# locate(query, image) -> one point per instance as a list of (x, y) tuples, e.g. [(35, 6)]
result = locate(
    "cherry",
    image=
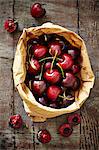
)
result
[(39, 51), (65, 130), (76, 84), (33, 67), (10, 25), (44, 136), (37, 11), (53, 105), (16, 121), (52, 76), (42, 100), (53, 92), (47, 65), (66, 62), (55, 47), (74, 119), (75, 53), (68, 100), (38, 87), (75, 68), (69, 80)]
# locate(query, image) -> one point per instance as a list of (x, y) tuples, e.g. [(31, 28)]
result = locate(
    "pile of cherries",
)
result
[(53, 65)]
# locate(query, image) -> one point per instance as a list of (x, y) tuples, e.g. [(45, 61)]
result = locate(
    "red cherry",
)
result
[(15, 121), (42, 101), (76, 68), (44, 136), (47, 65), (52, 76), (10, 25), (74, 119), (38, 87), (33, 67), (66, 62), (75, 53), (39, 51), (69, 80), (53, 92), (37, 11), (54, 47), (76, 84), (65, 130)]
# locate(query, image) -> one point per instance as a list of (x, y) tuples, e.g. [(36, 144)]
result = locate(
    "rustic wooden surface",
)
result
[(80, 16)]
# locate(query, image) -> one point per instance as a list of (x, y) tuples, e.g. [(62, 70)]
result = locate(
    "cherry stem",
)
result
[(61, 70), (28, 52), (46, 58), (53, 61), (40, 77), (61, 96)]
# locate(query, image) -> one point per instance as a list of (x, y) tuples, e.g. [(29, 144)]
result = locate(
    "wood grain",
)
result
[(79, 16), (88, 30), (6, 82)]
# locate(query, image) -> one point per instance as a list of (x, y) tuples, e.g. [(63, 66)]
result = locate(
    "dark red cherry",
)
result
[(75, 53), (65, 130), (69, 80), (53, 105), (38, 87), (68, 100), (47, 65), (54, 47), (43, 101), (10, 25), (76, 84), (33, 67), (66, 62), (37, 11), (75, 68), (53, 92), (74, 119), (52, 76), (16, 121), (44, 136), (39, 51)]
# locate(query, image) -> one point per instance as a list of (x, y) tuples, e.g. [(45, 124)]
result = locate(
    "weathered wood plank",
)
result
[(6, 82), (57, 12), (89, 30)]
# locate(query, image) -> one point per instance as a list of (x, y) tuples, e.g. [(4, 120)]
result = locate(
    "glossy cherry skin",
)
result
[(39, 87), (47, 65), (54, 47), (75, 53), (34, 67), (37, 11), (65, 130), (66, 62), (39, 51), (69, 80), (53, 92), (16, 121), (44, 136), (75, 68), (52, 76), (10, 25), (43, 101)]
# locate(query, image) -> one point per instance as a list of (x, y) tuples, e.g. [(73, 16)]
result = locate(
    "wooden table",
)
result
[(81, 16)]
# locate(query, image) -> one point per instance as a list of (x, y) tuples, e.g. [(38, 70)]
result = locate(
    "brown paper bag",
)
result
[(35, 110)]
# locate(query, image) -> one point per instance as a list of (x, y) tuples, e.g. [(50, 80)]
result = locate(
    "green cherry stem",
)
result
[(53, 61), (46, 58), (61, 70), (40, 77), (61, 96)]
